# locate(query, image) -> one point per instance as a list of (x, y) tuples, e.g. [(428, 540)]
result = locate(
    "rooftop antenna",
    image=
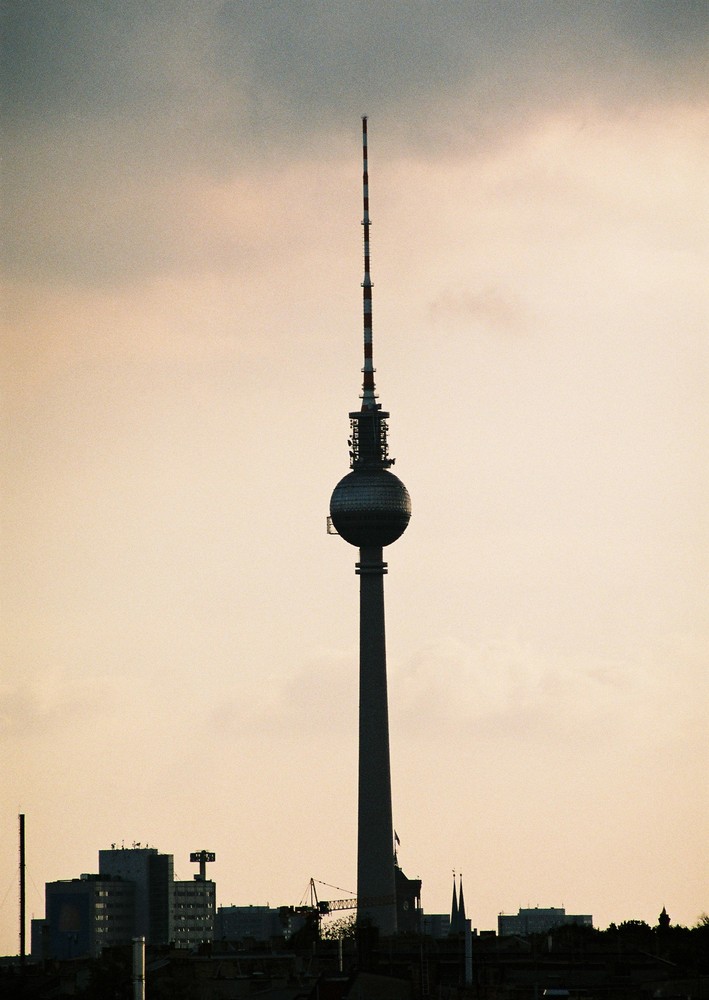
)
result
[(202, 857)]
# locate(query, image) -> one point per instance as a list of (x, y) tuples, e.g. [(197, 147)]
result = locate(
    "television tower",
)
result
[(371, 508)]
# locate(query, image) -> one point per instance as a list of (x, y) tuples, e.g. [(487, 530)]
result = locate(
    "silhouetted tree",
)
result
[(636, 934), (342, 928)]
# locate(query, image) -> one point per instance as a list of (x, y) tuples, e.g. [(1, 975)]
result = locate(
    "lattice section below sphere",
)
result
[(370, 508)]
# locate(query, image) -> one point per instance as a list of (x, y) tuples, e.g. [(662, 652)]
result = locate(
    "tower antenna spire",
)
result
[(370, 508), (368, 393)]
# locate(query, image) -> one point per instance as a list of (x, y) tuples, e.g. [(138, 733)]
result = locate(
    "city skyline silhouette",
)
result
[(181, 324)]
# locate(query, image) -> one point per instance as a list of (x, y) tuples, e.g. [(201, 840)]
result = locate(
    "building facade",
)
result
[(194, 909), (153, 876), (408, 903), (83, 916), (539, 920), (241, 923), (436, 925)]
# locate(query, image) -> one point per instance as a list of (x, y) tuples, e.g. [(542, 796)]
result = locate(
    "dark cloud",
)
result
[(107, 104), (323, 59), (273, 66), (89, 58)]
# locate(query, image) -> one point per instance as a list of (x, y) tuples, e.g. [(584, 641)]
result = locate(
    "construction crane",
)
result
[(325, 906), (315, 908), (312, 909)]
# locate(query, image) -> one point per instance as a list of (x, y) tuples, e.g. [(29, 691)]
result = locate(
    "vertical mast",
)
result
[(369, 444), (368, 394), (23, 920)]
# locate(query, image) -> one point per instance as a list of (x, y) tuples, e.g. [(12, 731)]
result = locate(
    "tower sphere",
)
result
[(370, 507)]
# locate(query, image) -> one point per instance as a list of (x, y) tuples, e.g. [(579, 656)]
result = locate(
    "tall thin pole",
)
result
[(138, 950), (368, 393), (22, 889)]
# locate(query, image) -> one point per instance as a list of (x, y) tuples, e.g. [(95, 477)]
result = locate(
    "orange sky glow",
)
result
[(181, 312)]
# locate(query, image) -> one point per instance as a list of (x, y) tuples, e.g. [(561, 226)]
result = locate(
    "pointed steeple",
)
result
[(461, 907), (454, 909)]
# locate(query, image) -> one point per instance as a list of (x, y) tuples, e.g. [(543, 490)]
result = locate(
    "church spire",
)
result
[(454, 909), (461, 906)]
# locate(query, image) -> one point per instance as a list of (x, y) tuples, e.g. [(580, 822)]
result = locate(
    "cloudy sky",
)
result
[(181, 313)]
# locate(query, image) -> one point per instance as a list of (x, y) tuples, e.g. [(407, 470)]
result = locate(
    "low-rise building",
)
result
[(539, 920), (436, 925), (241, 923), (83, 916)]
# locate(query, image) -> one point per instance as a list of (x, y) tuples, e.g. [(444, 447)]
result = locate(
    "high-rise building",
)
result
[(153, 876), (370, 508)]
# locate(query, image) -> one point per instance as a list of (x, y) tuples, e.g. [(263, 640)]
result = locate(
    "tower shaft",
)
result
[(376, 900)]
